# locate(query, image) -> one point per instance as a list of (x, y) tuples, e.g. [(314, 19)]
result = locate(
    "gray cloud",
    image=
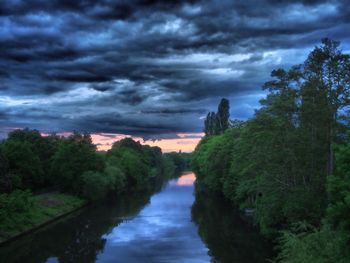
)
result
[(149, 68)]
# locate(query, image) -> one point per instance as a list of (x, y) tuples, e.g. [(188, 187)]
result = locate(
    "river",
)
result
[(172, 225)]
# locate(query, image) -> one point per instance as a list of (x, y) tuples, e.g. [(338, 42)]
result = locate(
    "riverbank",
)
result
[(170, 224), (45, 208)]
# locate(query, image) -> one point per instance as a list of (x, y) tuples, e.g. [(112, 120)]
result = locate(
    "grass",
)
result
[(44, 208)]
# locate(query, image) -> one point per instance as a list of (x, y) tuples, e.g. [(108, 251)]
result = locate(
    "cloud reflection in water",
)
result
[(162, 232)]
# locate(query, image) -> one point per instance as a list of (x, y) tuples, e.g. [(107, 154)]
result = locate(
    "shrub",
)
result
[(95, 185)]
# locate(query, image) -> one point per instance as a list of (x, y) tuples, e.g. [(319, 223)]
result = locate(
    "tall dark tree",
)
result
[(5, 182), (207, 125), (223, 116), (329, 69), (210, 124), (217, 123)]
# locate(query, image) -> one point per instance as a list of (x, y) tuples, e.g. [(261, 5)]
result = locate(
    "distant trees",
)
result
[(217, 123), (30, 161), (178, 161), (131, 159), (281, 159)]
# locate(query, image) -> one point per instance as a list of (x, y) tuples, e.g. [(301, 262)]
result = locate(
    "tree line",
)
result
[(31, 163), (290, 162)]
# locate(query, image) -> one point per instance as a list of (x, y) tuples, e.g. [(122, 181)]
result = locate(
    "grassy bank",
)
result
[(22, 212)]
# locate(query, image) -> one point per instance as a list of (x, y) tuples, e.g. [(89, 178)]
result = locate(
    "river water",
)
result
[(173, 225)]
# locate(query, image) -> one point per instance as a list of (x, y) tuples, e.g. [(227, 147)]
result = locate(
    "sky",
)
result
[(147, 69)]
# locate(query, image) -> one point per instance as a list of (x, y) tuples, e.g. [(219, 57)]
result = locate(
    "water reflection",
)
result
[(229, 238), (161, 232), (187, 179), (79, 238), (141, 228)]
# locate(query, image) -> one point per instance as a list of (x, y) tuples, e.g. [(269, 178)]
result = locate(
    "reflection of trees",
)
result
[(78, 238), (227, 236)]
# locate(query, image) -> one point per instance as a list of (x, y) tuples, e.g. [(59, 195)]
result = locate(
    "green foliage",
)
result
[(218, 123), (210, 124), (211, 160), (116, 176), (176, 163), (339, 192), (43, 146), (17, 201), (75, 155), (139, 164), (169, 167), (6, 182), (24, 164), (15, 208), (280, 160), (95, 185), (29, 157), (20, 210), (330, 242), (223, 116), (31, 161), (134, 167), (310, 245)]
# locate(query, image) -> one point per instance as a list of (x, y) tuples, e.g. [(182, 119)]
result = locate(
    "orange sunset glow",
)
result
[(186, 142), (186, 179)]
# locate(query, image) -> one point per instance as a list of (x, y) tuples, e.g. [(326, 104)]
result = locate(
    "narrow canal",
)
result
[(173, 225)]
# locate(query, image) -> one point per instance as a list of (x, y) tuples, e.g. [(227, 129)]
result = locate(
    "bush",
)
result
[(15, 209), (95, 185), (309, 245), (24, 163), (115, 176)]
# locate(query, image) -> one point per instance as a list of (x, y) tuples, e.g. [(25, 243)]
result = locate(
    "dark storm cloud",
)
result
[(149, 68)]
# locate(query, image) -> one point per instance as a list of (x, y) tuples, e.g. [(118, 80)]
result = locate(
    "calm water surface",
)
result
[(173, 225)]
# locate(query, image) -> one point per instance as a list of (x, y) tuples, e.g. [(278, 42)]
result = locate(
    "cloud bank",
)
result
[(150, 69)]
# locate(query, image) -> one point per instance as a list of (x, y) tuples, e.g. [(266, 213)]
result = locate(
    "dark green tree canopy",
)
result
[(294, 149)]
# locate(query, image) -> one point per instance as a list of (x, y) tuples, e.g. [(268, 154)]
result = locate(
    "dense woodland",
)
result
[(32, 164), (291, 161)]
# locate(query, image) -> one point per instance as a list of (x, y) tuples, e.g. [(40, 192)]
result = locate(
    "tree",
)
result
[(223, 116), (217, 123), (117, 177), (75, 155), (94, 185), (281, 157), (43, 147), (328, 68), (24, 164), (5, 181), (140, 164), (210, 124)]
